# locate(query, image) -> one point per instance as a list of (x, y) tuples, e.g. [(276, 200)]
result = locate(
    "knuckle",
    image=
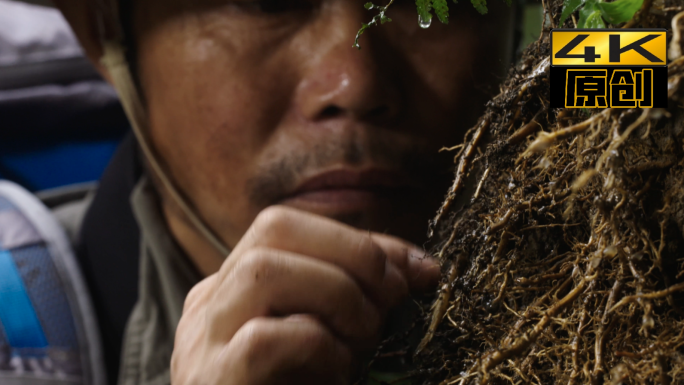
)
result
[(318, 347), (198, 293), (376, 258), (255, 339), (258, 264), (360, 318), (192, 297), (273, 221), (315, 343), (316, 339)]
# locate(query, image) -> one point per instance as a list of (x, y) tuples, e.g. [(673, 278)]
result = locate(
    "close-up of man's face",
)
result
[(256, 103)]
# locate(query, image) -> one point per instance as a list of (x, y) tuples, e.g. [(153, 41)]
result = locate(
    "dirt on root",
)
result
[(562, 237)]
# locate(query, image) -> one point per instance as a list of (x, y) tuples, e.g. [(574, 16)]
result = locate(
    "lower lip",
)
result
[(335, 200)]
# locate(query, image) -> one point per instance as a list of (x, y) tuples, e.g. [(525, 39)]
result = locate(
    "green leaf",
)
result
[(424, 7), (594, 20), (442, 10), (480, 6), (569, 6), (619, 11), (369, 6), (590, 16), (364, 27)]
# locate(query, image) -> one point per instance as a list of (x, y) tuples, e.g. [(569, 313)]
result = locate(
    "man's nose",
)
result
[(340, 81)]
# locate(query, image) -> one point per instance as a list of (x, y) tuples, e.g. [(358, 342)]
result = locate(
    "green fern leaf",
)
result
[(363, 29), (619, 11), (480, 5), (424, 7), (569, 6), (590, 16), (442, 10)]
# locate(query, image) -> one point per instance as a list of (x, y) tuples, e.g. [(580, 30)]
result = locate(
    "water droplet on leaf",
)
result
[(424, 23)]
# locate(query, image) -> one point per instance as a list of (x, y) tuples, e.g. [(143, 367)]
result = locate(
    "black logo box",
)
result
[(558, 77)]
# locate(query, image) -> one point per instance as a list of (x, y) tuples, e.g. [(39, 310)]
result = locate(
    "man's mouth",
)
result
[(347, 190)]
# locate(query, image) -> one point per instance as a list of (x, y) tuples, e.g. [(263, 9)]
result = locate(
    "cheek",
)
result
[(444, 87), (446, 68), (204, 104), (440, 57), (451, 67)]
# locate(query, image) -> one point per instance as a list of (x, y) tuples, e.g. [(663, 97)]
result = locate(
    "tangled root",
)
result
[(565, 264)]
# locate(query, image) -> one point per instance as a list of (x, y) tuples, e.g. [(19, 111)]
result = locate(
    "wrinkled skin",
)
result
[(299, 301), (238, 99), (257, 104)]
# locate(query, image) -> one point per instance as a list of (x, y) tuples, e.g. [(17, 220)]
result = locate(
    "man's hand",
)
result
[(299, 297)]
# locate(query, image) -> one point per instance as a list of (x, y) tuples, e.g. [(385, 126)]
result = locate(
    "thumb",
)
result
[(421, 271)]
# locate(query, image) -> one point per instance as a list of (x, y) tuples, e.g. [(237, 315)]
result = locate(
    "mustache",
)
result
[(280, 177)]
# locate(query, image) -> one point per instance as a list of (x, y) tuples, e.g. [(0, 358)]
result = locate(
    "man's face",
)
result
[(255, 103)]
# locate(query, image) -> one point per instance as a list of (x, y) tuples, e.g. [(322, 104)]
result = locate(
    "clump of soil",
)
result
[(564, 263)]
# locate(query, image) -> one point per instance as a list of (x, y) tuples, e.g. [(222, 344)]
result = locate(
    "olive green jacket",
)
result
[(166, 277)]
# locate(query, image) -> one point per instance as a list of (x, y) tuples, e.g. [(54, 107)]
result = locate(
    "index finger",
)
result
[(380, 270), (421, 270)]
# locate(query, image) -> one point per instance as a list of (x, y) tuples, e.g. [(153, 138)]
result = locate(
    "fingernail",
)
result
[(420, 258), (423, 266)]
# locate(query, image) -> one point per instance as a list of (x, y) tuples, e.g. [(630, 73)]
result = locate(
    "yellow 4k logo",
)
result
[(600, 68)]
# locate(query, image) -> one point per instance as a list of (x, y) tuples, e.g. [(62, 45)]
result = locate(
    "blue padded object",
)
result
[(17, 315), (48, 334), (39, 166), (5, 205), (47, 295)]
